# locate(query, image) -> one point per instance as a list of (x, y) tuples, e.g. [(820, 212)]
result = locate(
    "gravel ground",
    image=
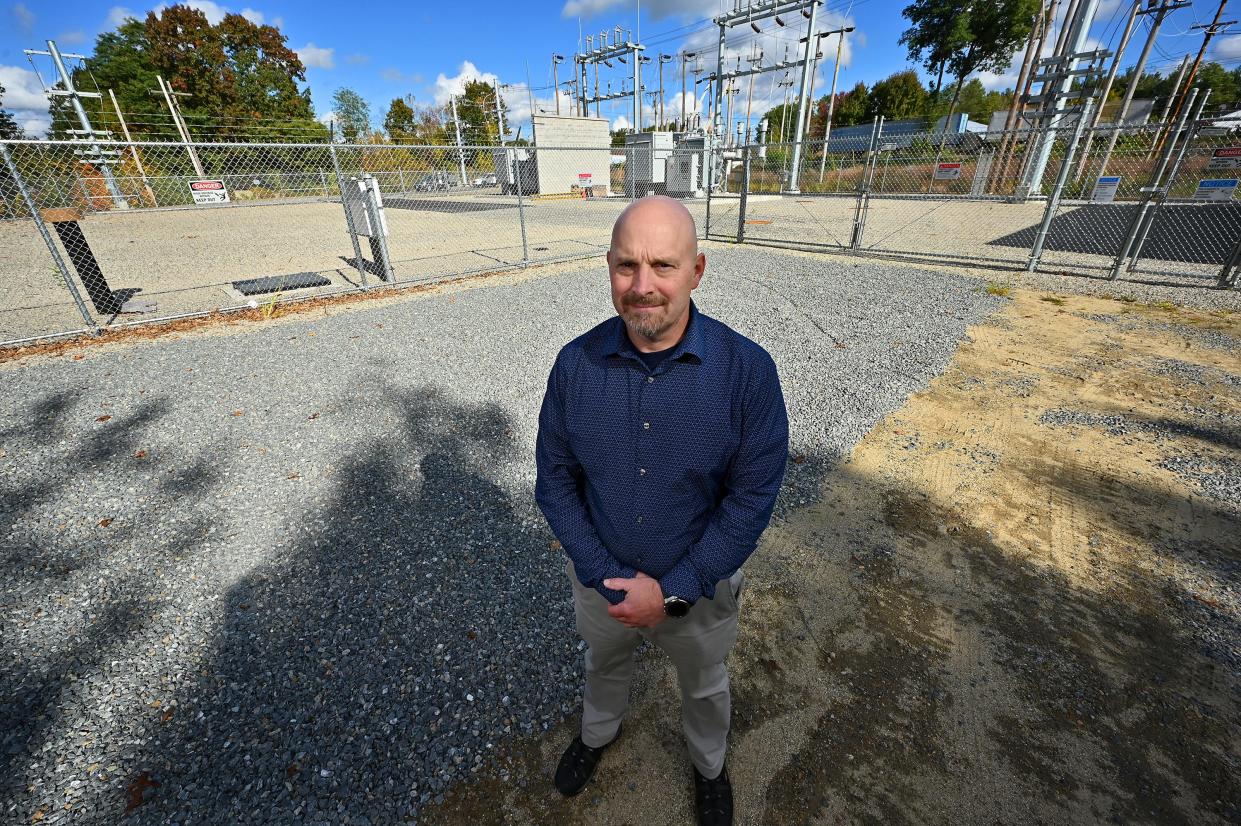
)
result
[(294, 573)]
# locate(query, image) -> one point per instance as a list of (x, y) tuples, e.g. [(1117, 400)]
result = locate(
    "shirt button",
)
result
[(641, 471), (639, 520), (646, 425), (650, 379)]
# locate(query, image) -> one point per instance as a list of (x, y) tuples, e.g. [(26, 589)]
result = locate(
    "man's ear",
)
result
[(700, 266)]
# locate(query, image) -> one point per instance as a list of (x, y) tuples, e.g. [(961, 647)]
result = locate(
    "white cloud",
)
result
[(24, 98), (620, 122), (358, 59), (656, 9), (446, 87), (25, 17), (255, 17), (22, 89), (1228, 48), (118, 15), (71, 38), (316, 57)]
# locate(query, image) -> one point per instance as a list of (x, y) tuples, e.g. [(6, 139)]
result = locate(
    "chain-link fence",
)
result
[(106, 234), (1131, 202), (99, 233)]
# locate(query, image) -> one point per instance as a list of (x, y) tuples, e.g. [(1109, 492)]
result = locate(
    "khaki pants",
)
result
[(697, 645)]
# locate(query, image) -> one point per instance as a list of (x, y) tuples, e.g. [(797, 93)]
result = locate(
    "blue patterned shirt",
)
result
[(672, 471)]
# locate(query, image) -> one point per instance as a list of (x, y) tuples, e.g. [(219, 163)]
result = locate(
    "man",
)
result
[(661, 448)]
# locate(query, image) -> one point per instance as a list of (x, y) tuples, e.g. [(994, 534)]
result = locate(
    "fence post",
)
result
[(1232, 267), (1053, 200), (379, 242), (47, 238), (745, 194), (1162, 195), (1139, 215), (323, 182), (708, 173), (521, 203), (863, 189), (344, 196)]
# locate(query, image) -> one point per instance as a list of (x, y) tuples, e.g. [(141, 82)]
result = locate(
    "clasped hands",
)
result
[(643, 606)]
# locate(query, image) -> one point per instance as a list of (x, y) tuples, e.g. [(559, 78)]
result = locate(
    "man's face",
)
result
[(654, 267)]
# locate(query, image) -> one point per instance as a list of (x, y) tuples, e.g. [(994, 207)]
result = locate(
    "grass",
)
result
[(1053, 299), (998, 289)]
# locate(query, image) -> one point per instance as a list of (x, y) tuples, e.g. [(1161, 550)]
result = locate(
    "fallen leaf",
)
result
[(313, 416), (166, 715), (294, 476), (292, 770), (103, 523), (37, 816), (238, 413), (840, 345), (799, 459), (554, 545), (137, 789), (140, 454), (471, 635), (103, 418), (79, 357)]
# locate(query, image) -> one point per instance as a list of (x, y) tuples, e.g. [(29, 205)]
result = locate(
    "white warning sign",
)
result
[(209, 192)]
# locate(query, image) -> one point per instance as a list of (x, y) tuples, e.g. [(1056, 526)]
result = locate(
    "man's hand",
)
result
[(643, 606)]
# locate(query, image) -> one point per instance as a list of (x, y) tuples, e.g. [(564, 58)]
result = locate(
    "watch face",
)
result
[(676, 607)]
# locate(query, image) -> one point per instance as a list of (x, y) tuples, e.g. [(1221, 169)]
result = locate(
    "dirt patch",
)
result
[(1010, 604)]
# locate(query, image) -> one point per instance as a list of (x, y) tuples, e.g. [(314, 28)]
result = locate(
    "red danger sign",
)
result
[(206, 186), (947, 171), (1228, 152)]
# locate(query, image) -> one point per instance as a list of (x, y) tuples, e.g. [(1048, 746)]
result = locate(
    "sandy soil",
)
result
[(1008, 605)]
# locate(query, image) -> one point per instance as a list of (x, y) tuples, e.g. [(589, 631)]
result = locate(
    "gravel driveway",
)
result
[(293, 573)]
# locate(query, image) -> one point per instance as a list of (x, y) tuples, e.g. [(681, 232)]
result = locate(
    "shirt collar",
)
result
[(690, 343)]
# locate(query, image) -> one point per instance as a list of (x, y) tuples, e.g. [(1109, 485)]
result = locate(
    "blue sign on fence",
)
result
[(1216, 189)]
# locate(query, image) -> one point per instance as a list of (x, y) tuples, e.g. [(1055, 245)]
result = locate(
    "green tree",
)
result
[(399, 122), (476, 107), (852, 106), (352, 113), (898, 97), (966, 36), (8, 127)]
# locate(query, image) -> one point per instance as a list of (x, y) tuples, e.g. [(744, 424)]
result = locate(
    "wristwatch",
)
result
[(675, 607)]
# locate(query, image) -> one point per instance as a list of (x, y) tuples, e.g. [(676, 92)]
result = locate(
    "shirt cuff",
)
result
[(682, 581), (613, 596)]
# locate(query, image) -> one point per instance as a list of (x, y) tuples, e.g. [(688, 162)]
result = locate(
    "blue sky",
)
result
[(392, 49)]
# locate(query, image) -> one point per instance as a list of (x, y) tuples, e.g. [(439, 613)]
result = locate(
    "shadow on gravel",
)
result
[(37, 563), (418, 621), (897, 666)]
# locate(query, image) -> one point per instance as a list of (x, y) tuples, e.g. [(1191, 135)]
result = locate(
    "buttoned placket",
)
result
[(641, 454)]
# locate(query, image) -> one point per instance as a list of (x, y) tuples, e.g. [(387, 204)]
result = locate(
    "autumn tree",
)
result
[(852, 106), (241, 78), (476, 109)]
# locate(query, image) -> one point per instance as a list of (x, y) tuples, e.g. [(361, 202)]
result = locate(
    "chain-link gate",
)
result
[(184, 229)]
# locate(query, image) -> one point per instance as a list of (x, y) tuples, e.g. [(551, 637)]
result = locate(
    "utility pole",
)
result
[(663, 58), (1107, 88), (755, 58), (133, 150), (1167, 106), (682, 118), (165, 90), (803, 88), (88, 133), (1208, 34), (557, 59), (495, 87), (456, 123), (1159, 13), (831, 101), (1058, 85), (1021, 93)]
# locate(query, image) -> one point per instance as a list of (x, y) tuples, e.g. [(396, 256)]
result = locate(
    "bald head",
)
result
[(658, 214), (654, 265)]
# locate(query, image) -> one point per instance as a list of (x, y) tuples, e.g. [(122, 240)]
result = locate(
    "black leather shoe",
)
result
[(714, 799), (577, 764)]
